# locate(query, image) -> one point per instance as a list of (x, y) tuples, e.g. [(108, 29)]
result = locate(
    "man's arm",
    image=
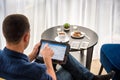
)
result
[(47, 53), (33, 54), (50, 70)]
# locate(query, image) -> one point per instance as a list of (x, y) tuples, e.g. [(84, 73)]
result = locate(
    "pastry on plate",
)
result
[(77, 34)]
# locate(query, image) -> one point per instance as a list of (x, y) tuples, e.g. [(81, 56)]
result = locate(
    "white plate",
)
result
[(81, 36), (61, 40)]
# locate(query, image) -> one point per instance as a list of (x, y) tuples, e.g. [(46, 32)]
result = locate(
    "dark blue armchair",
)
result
[(110, 59)]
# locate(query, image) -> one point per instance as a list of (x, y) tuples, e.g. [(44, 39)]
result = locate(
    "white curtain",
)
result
[(102, 16)]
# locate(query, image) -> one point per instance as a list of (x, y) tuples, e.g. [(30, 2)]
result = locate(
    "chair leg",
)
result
[(100, 71)]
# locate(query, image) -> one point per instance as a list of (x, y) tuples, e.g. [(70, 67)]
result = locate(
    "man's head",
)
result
[(14, 28)]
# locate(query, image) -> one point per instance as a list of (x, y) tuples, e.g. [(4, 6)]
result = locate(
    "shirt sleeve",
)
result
[(45, 76), (42, 71)]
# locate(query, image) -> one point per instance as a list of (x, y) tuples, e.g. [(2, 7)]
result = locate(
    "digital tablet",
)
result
[(60, 50)]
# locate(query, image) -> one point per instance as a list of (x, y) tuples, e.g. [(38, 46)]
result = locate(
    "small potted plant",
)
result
[(66, 27)]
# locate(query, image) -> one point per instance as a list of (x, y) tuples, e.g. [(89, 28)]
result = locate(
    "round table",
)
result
[(90, 36)]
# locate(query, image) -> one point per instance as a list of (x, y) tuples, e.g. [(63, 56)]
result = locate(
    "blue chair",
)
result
[(110, 59)]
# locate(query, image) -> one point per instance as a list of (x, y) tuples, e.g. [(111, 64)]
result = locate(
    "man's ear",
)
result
[(26, 37)]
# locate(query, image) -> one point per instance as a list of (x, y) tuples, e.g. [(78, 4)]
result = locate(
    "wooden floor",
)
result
[(96, 66)]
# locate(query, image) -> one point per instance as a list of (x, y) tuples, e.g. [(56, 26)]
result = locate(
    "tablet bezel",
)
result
[(54, 60)]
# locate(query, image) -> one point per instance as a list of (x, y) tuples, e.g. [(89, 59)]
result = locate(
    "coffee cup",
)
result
[(62, 36)]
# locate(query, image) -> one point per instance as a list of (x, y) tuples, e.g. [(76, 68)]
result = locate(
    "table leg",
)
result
[(82, 58), (82, 53), (89, 57)]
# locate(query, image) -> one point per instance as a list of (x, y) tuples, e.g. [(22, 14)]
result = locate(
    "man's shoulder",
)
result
[(0, 51)]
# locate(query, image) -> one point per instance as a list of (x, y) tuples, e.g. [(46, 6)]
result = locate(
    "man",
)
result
[(15, 65)]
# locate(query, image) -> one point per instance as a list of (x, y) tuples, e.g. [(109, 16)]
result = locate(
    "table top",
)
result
[(90, 35)]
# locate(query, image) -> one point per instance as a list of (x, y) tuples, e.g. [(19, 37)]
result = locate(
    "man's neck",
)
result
[(15, 47)]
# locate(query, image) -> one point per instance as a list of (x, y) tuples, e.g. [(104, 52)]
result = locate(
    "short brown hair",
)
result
[(14, 26)]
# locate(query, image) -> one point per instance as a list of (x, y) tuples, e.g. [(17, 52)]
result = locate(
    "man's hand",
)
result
[(33, 54), (47, 54)]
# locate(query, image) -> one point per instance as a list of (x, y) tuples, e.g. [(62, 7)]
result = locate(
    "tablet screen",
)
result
[(59, 49)]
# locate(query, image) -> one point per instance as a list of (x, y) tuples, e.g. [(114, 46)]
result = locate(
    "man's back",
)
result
[(18, 67)]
